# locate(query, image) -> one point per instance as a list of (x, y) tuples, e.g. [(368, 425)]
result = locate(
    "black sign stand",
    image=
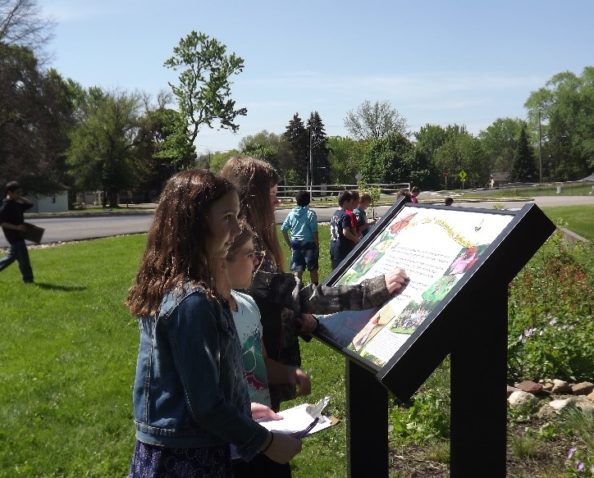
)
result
[(478, 427), (367, 424), (470, 325)]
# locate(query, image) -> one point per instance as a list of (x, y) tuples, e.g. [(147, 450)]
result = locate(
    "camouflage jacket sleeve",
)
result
[(284, 289)]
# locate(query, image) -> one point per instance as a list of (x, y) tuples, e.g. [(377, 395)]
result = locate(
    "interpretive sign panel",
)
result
[(440, 248)]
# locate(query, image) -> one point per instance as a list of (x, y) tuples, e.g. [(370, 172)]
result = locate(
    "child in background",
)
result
[(286, 306), (302, 223), (259, 369), (190, 396), (363, 224), (350, 208), (343, 236), (415, 191)]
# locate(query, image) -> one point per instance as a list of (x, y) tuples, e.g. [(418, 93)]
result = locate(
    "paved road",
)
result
[(73, 229)]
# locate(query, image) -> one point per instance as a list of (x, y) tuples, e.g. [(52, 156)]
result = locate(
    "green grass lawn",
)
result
[(67, 359), (68, 356), (579, 219)]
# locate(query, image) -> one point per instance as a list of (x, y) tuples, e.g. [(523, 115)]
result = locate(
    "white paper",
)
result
[(294, 420)]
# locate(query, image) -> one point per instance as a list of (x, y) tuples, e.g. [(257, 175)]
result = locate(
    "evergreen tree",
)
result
[(319, 150), (524, 167), (298, 138)]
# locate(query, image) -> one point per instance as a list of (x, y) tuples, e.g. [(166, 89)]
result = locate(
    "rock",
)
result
[(560, 386), (519, 398), (529, 386), (591, 397), (548, 386), (582, 388), (547, 412), (510, 390), (561, 404), (585, 406)]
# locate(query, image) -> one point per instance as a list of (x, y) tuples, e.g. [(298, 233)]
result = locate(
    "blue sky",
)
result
[(439, 62)]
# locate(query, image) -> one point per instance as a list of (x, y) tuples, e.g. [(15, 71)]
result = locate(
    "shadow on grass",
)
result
[(65, 288)]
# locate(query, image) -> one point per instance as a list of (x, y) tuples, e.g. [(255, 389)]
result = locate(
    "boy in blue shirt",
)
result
[(302, 223)]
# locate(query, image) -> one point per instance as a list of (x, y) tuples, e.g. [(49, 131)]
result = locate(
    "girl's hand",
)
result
[(307, 323), (300, 378), (396, 281), (283, 448), (262, 412)]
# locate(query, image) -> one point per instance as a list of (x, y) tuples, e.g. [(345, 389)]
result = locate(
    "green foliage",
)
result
[(346, 158), (159, 148), (204, 89), (298, 138), (579, 424), (272, 147), (523, 166), (36, 111), (319, 151), (218, 159), (386, 160), (461, 151), (374, 192), (499, 142), (427, 417), (101, 154), (526, 445), (550, 300), (564, 110)]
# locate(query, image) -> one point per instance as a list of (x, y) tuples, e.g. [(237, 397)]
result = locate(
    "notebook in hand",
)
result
[(33, 233)]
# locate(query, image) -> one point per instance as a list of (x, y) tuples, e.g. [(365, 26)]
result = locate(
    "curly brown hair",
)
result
[(254, 178), (176, 245)]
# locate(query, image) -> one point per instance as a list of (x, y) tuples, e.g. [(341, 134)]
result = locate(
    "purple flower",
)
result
[(529, 332), (571, 451), (553, 321), (580, 466)]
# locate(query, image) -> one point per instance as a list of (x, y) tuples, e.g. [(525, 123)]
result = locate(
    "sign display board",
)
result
[(440, 248)]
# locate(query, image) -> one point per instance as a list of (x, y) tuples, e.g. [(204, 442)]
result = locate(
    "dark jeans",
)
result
[(18, 252)]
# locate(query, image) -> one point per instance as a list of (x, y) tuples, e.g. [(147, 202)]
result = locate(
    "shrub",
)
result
[(550, 301)]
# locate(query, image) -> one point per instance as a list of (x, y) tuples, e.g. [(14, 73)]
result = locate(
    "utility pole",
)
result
[(539, 148), (310, 166)]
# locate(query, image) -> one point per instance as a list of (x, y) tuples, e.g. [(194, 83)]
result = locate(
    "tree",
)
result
[(524, 168), (160, 151), (346, 158), (36, 112), (562, 115), (272, 147), (101, 155), (374, 121), (204, 89), (462, 152), (320, 167), (386, 160), (500, 141), (298, 138), (21, 25)]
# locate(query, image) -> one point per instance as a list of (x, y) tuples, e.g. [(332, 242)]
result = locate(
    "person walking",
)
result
[(12, 220), (302, 224)]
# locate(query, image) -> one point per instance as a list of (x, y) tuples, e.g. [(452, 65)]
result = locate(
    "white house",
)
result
[(57, 202)]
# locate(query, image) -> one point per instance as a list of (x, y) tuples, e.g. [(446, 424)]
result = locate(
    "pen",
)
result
[(309, 428)]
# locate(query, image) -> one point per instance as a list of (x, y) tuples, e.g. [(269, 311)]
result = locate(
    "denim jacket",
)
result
[(189, 390)]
